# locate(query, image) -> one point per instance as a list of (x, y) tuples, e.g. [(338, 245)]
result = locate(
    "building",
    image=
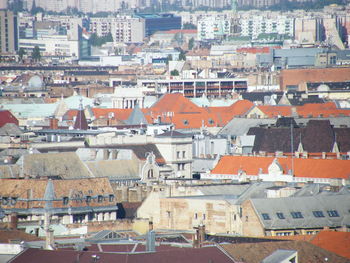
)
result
[(8, 32), (257, 25), (123, 29), (283, 169), (192, 88), (67, 201), (295, 215), (159, 22), (213, 28)]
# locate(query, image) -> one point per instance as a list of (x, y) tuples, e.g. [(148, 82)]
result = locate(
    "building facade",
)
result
[(8, 32)]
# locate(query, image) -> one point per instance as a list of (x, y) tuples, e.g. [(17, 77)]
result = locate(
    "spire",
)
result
[(81, 122)]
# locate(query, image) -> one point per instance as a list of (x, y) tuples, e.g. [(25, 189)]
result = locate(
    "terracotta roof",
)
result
[(256, 252), (174, 102), (313, 168), (7, 117), (336, 242), (187, 255), (6, 235), (184, 114), (255, 50), (119, 114), (69, 115)]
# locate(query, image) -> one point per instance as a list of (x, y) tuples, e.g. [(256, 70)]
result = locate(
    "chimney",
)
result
[(13, 221), (53, 123), (151, 241), (199, 237)]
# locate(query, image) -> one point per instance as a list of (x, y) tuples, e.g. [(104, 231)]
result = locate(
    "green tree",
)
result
[(174, 72), (188, 26), (36, 56), (182, 55), (191, 43), (21, 53)]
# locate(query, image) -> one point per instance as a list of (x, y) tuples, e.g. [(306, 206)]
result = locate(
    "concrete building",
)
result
[(8, 32), (213, 28), (257, 25), (123, 29)]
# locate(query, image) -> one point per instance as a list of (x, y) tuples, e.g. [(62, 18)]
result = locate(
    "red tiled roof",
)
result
[(313, 168), (255, 50), (119, 114), (336, 242), (7, 117), (70, 114)]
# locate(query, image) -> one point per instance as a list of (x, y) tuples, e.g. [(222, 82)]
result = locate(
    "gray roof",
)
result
[(200, 165), (279, 256), (228, 189), (306, 206), (241, 126), (10, 129), (136, 117), (115, 169), (65, 165)]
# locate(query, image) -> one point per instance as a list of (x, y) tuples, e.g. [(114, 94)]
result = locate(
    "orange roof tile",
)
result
[(174, 102), (336, 242), (119, 114), (313, 168), (275, 111)]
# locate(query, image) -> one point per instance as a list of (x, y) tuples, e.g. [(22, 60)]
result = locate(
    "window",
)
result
[(266, 216), (88, 199), (184, 154), (318, 213), (195, 215), (111, 198), (280, 215), (296, 215), (100, 198), (203, 216), (333, 213), (178, 155)]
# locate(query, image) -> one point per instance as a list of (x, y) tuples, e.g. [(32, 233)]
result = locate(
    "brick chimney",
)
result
[(53, 123), (13, 221)]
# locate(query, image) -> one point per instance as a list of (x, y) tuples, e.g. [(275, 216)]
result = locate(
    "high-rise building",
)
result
[(8, 32)]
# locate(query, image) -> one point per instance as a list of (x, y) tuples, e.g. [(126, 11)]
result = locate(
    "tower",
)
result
[(8, 32)]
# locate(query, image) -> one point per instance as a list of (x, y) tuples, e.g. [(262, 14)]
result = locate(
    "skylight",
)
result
[(318, 213), (296, 215), (333, 213), (266, 216), (280, 215)]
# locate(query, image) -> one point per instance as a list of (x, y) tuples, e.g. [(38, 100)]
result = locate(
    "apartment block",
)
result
[(255, 26), (8, 32), (123, 29)]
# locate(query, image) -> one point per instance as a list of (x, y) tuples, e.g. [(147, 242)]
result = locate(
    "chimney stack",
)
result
[(13, 221), (53, 123)]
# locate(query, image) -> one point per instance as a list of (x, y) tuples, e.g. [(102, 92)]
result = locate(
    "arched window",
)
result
[(150, 173)]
